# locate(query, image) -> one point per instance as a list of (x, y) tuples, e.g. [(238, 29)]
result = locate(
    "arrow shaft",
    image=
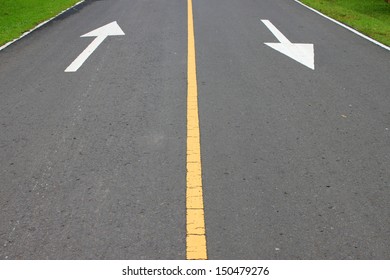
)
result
[(76, 64), (276, 32)]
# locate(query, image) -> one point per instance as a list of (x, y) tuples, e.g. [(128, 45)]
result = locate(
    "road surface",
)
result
[(295, 161)]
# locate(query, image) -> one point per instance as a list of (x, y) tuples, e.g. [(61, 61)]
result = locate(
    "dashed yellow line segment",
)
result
[(196, 231)]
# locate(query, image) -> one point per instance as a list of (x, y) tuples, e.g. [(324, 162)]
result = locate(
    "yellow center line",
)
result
[(196, 231)]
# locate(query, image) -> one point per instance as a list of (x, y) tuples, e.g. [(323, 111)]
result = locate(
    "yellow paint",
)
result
[(196, 247), (196, 231), (195, 221)]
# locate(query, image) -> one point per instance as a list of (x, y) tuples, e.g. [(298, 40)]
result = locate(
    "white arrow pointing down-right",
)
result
[(303, 53)]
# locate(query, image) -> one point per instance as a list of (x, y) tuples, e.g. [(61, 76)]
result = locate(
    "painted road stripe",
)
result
[(196, 232)]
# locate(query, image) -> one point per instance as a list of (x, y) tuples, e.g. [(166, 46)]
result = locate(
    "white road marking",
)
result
[(111, 29), (303, 53)]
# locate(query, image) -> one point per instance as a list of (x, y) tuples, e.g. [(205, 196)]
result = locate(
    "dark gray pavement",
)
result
[(93, 162), (295, 161), (285, 174)]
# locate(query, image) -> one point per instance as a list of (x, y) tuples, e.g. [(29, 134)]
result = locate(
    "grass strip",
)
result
[(370, 17), (19, 16)]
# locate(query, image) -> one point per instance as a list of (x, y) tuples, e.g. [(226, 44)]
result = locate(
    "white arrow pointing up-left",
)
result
[(111, 29)]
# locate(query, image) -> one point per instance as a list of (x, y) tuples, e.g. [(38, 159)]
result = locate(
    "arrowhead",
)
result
[(303, 53), (111, 29)]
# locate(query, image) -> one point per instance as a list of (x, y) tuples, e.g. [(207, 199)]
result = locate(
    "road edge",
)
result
[(38, 26), (345, 26)]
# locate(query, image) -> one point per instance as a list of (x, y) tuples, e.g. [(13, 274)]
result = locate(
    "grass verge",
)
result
[(19, 16), (370, 17)]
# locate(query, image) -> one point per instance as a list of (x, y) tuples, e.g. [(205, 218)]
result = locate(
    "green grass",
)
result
[(371, 17), (19, 16)]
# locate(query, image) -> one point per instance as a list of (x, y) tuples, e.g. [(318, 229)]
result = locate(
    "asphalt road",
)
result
[(295, 161)]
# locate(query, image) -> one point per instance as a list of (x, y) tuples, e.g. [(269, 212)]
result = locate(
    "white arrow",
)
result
[(111, 29), (303, 53)]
